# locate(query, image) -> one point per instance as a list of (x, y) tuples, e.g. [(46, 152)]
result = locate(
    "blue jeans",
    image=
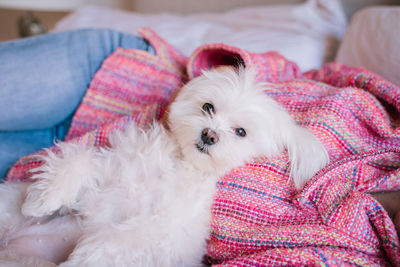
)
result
[(42, 81)]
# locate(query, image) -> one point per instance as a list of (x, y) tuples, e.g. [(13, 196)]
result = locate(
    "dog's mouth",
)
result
[(203, 148)]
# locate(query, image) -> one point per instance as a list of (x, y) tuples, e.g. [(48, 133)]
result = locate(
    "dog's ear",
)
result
[(306, 153), (164, 119)]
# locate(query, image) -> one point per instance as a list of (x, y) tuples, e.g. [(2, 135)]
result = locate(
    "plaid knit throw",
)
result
[(258, 217)]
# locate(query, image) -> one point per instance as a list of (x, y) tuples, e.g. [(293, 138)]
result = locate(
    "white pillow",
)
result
[(373, 42), (306, 33)]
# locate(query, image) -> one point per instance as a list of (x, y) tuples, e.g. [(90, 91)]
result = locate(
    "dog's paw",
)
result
[(60, 180), (46, 194), (41, 201)]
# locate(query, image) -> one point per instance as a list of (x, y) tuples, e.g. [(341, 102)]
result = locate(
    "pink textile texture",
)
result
[(258, 217)]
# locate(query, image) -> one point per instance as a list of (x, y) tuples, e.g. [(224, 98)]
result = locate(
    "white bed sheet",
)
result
[(307, 33)]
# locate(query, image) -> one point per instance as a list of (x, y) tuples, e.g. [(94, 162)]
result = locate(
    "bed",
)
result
[(351, 104), (316, 28)]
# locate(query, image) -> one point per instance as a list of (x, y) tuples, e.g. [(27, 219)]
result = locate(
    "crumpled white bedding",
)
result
[(307, 33)]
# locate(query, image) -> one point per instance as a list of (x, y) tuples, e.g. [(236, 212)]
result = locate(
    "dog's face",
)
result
[(223, 118)]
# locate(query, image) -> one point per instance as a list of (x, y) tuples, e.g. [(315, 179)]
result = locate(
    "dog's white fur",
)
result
[(145, 201)]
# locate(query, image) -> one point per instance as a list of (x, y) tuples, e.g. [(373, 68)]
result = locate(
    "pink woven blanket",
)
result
[(258, 217)]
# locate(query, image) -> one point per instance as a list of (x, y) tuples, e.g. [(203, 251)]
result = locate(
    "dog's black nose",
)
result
[(209, 137)]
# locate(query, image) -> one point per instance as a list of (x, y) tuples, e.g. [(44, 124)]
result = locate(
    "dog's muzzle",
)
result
[(208, 138)]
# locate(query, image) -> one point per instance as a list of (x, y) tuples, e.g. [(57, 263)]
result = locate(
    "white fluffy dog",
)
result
[(145, 200)]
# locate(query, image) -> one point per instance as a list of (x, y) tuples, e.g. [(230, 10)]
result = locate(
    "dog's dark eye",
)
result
[(208, 108), (240, 132)]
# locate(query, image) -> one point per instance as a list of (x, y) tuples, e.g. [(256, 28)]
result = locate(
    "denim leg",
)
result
[(42, 81)]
